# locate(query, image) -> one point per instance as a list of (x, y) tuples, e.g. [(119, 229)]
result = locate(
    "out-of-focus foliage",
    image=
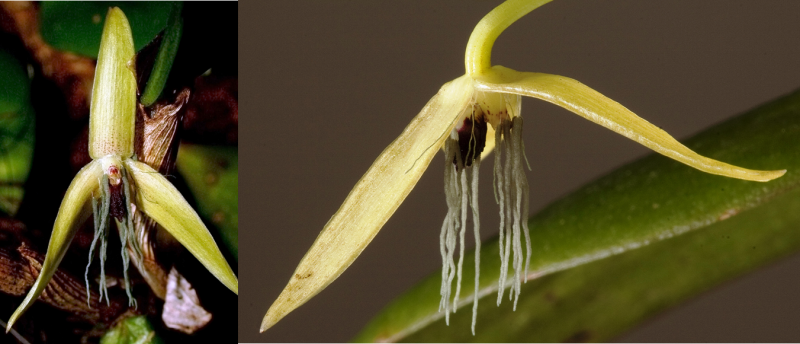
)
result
[(76, 26), (212, 174), (133, 330), (166, 55), (16, 132), (14, 85)]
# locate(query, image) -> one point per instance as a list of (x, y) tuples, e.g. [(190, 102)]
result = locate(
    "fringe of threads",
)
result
[(461, 190), (511, 194), (100, 208)]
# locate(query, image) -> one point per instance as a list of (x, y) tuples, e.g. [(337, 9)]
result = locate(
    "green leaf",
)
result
[(77, 26), (212, 174), (166, 55), (16, 132), (14, 85), (134, 330), (636, 206)]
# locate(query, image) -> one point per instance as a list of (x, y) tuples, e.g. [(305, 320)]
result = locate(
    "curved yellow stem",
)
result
[(479, 48)]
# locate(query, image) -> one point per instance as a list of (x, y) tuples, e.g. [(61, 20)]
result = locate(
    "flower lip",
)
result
[(471, 136), (117, 202)]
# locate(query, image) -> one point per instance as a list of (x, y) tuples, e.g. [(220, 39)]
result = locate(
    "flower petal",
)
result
[(162, 202), (374, 198), (71, 215), (588, 103), (112, 114)]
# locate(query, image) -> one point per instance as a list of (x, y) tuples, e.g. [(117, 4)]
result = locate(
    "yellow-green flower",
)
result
[(115, 185), (467, 118)]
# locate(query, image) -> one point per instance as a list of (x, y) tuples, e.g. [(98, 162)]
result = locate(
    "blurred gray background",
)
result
[(326, 86)]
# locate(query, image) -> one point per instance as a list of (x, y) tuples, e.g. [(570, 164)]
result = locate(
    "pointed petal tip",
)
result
[(743, 173), (234, 287), (287, 301), (267, 323), (272, 317), (770, 175), (295, 294), (14, 317)]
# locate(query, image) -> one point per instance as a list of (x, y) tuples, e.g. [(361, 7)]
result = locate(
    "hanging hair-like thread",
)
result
[(100, 212), (462, 150), (101, 207)]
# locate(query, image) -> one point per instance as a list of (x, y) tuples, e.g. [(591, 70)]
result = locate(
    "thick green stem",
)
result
[(479, 48)]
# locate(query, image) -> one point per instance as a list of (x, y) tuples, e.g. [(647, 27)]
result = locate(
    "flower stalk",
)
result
[(116, 185)]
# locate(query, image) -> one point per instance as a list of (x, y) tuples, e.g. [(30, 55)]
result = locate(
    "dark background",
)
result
[(326, 86)]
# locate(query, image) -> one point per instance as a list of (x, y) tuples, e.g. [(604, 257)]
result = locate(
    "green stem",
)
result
[(479, 48)]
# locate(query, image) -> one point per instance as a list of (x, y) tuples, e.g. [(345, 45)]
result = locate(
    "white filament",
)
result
[(511, 193), (100, 212), (512, 188), (127, 237), (450, 222), (476, 225), (101, 207), (464, 202), (460, 192)]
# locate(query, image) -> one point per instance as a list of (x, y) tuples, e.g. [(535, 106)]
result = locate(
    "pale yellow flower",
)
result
[(115, 185), (469, 117)]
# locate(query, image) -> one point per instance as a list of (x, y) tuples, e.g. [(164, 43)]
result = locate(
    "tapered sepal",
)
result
[(590, 104), (112, 121), (71, 215), (374, 199), (162, 202)]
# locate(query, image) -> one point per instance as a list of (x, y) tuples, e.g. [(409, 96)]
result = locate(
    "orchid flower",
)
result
[(468, 118), (115, 185)]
